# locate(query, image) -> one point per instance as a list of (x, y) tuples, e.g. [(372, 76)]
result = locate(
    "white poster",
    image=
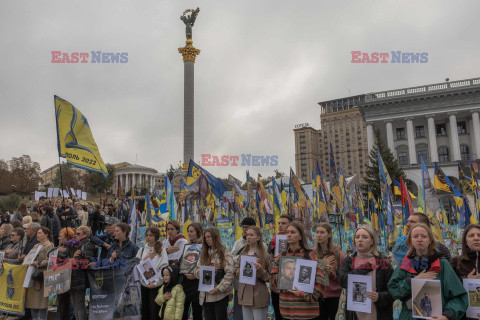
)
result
[(28, 282), (305, 271), (146, 271), (207, 278), (248, 273), (473, 289), (56, 191), (426, 298), (32, 255), (79, 194), (50, 192), (73, 191), (37, 195), (280, 244), (65, 194), (84, 196), (357, 299)]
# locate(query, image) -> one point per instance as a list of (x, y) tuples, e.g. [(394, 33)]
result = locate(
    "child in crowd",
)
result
[(171, 297)]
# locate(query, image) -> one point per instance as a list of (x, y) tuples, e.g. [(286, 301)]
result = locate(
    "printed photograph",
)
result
[(248, 270), (207, 277), (359, 291), (305, 274), (426, 298)]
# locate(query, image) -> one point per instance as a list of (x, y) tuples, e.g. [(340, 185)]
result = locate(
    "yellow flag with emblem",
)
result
[(12, 293), (75, 140)]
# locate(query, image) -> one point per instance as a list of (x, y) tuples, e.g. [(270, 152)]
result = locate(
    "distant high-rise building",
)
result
[(342, 125)]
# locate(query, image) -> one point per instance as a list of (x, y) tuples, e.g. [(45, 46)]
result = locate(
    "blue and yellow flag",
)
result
[(12, 293), (216, 186), (75, 140)]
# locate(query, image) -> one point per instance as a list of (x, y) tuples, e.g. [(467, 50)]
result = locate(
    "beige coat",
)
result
[(225, 286), (34, 295), (256, 296)]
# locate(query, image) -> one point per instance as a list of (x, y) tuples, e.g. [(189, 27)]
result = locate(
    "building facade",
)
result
[(129, 175), (49, 174), (437, 122), (342, 126)]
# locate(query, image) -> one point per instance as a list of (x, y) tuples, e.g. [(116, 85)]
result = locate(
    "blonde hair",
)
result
[(431, 247), (372, 236), (85, 230), (27, 219)]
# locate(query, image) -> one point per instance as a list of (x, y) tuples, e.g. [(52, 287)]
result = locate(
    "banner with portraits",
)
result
[(115, 293), (56, 281)]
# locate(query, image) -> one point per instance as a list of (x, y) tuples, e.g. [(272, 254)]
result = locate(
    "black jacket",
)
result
[(384, 303), (70, 215), (29, 244), (79, 272)]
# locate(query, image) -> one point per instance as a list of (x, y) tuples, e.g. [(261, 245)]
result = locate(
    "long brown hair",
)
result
[(431, 247), (158, 244), (217, 246), (465, 248), (303, 242), (331, 246), (260, 246)]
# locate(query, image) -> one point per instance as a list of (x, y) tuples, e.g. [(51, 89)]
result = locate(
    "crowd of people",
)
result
[(175, 296)]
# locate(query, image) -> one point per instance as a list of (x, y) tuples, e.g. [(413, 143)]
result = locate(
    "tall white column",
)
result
[(476, 132), (389, 128), (127, 181), (453, 134), (370, 136), (152, 182), (412, 153), (432, 138), (133, 179)]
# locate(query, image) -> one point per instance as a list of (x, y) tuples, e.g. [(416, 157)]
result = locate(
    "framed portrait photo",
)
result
[(191, 254)]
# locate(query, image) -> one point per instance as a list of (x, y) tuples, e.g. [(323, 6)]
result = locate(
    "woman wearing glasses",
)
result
[(13, 251)]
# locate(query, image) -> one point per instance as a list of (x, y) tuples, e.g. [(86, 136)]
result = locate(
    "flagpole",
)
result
[(61, 181)]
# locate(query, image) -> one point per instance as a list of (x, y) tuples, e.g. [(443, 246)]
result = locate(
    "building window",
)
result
[(400, 133), (461, 127), (422, 154), (443, 154), (441, 129), (465, 152), (402, 158), (420, 132)]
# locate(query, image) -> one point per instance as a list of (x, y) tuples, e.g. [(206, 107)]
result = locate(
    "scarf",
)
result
[(172, 241), (420, 263), (365, 260)]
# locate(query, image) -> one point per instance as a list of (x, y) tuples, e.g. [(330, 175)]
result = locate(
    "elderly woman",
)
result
[(13, 251), (5, 231), (34, 296), (84, 254)]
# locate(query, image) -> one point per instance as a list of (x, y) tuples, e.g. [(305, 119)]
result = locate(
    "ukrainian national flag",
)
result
[(217, 188), (75, 140), (440, 180)]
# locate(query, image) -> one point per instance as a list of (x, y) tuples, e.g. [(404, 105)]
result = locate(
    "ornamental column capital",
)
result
[(189, 52)]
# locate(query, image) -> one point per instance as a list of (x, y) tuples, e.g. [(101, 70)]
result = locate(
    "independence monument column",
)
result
[(189, 54)]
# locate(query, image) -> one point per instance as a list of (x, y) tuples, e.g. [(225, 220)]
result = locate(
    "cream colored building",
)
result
[(342, 125)]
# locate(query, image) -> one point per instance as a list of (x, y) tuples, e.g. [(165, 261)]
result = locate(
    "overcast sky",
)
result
[(263, 67)]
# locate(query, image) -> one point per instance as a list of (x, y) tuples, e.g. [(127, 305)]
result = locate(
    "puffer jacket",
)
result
[(174, 306), (225, 286)]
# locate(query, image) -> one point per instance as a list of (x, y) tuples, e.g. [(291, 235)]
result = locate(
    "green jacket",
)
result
[(454, 296), (174, 306)]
